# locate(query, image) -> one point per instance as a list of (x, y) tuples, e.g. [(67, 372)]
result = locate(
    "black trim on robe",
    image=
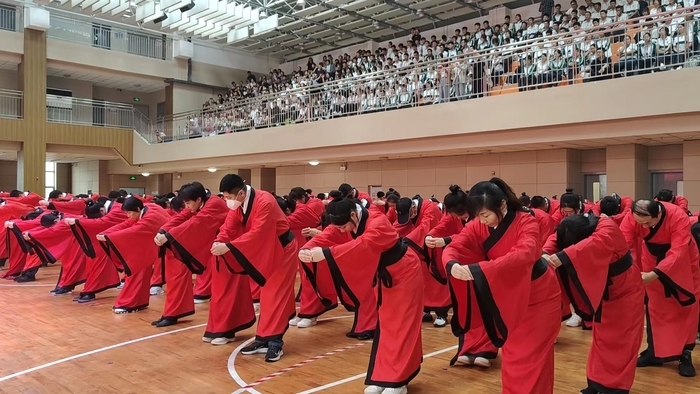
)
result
[(447, 240), (569, 272), (192, 264), (310, 269), (433, 268), (493, 322), (117, 255), (227, 334), (42, 252), (495, 234), (83, 240), (362, 224), (370, 367), (342, 287), (597, 387)]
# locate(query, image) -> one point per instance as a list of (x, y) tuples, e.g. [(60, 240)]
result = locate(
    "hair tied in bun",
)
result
[(454, 189)]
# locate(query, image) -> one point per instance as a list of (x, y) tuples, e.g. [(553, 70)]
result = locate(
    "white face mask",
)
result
[(233, 204)]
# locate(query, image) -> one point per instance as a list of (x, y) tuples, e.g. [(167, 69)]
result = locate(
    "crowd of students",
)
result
[(510, 268), (590, 42)]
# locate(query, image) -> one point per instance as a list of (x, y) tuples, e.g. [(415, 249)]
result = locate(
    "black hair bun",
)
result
[(523, 194), (454, 189), (570, 190), (336, 195)]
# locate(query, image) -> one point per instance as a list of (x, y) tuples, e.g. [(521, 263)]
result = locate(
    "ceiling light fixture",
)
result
[(313, 162), (211, 169), (145, 173)]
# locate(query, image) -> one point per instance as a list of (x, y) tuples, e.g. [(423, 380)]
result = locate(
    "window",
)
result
[(50, 178)]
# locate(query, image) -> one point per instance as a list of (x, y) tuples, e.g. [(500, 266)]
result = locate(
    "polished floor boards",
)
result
[(52, 345)]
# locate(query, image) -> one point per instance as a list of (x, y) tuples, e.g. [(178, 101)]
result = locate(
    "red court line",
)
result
[(301, 364)]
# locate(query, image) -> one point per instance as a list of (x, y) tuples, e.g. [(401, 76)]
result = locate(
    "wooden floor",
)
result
[(52, 345)]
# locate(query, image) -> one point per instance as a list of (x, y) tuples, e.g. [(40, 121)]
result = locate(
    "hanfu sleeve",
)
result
[(674, 269), (258, 250), (50, 244), (86, 230), (131, 243), (630, 230), (550, 246), (75, 207), (682, 203), (586, 263), (190, 236), (303, 217)]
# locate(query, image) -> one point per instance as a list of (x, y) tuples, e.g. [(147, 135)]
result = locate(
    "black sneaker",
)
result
[(86, 298), (257, 347), (685, 365), (164, 322), (274, 353), (427, 317), (25, 278), (62, 291), (647, 360)]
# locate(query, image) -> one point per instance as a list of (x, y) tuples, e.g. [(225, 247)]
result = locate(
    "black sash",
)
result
[(286, 238), (615, 269), (388, 258)]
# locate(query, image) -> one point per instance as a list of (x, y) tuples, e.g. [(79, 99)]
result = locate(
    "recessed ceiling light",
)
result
[(145, 174), (211, 169), (313, 162)]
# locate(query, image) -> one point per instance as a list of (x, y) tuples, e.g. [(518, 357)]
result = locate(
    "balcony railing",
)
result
[(72, 110), (616, 50), (110, 37), (10, 104), (10, 18)]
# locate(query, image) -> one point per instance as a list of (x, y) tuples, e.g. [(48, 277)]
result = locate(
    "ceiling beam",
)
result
[(343, 11), (411, 10)]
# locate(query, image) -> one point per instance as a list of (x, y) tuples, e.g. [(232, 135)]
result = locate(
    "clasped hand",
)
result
[(160, 239), (311, 255), (432, 242), (219, 248), (553, 260), (461, 272)]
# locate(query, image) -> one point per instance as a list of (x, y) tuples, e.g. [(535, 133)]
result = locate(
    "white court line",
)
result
[(232, 360), (362, 375), (91, 352), (28, 285)]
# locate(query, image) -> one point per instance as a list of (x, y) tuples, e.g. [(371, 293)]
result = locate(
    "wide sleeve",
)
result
[(258, 261), (50, 244), (682, 203), (630, 230), (674, 270), (303, 217), (86, 231), (231, 228), (328, 237), (176, 220), (585, 264), (191, 240), (75, 207), (131, 244), (502, 285)]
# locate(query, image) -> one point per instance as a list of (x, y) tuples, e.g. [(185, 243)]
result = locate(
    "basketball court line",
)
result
[(362, 375), (245, 387), (100, 350)]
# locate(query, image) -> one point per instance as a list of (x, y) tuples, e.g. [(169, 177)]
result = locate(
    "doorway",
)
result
[(595, 186)]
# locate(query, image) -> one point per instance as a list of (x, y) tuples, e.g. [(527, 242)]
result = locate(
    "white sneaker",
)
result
[(120, 311), (256, 306), (306, 323), (201, 301), (121, 286), (221, 341), (207, 340), (156, 290), (397, 390), (574, 321), (440, 322), (374, 390), (295, 321), (465, 360), (482, 362)]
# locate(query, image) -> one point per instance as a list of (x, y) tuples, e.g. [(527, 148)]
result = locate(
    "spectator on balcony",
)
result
[(632, 9), (627, 55), (599, 68)]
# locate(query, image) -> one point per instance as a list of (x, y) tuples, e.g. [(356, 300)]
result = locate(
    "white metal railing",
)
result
[(505, 69), (108, 37), (60, 109), (10, 104), (10, 18)]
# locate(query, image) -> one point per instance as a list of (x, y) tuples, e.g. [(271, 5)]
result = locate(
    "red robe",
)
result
[(436, 295), (101, 272), (601, 270), (273, 267), (17, 248), (552, 206), (58, 243), (671, 302), (190, 235), (179, 297), (130, 246), (317, 293), (397, 351), (353, 284), (75, 207), (513, 298), (12, 210), (231, 307)]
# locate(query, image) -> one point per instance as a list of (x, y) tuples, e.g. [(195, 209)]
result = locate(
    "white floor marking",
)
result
[(28, 285), (362, 375), (232, 360), (91, 352)]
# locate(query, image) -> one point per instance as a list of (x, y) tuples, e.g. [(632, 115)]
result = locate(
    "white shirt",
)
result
[(247, 199)]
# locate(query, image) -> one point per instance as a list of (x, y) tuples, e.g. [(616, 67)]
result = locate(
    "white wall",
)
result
[(85, 176)]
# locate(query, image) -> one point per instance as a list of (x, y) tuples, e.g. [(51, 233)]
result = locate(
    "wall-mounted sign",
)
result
[(132, 178), (136, 99)]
